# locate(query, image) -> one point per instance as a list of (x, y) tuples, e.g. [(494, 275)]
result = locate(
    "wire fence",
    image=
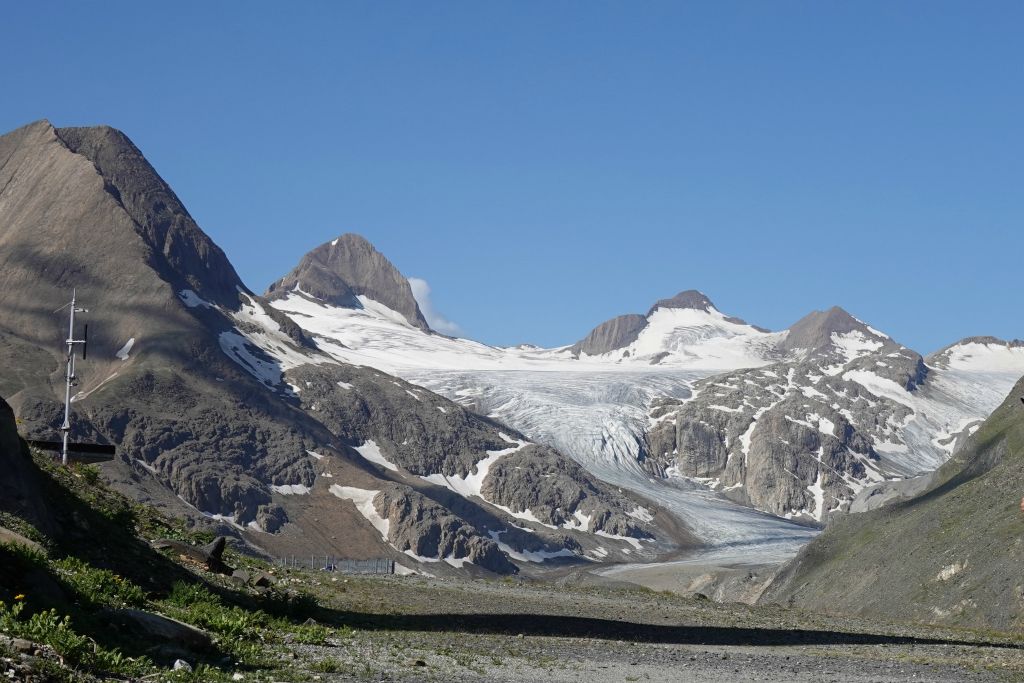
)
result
[(329, 563)]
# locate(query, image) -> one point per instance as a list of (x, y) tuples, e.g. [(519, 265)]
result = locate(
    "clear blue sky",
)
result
[(545, 166)]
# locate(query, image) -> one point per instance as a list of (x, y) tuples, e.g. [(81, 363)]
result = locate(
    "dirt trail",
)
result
[(412, 629)]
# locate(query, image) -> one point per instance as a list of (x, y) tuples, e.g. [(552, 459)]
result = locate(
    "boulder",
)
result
[(209, 556), (159, 627)]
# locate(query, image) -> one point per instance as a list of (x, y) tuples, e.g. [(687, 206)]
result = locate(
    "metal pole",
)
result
[(66, 427)]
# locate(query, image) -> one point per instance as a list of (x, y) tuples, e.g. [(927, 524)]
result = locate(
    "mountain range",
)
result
[(226, 411), (326, 417), (797, 423)]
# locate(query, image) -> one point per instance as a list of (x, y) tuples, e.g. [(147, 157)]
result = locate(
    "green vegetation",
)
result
[(100, 561), (960, 543), (57, 632)]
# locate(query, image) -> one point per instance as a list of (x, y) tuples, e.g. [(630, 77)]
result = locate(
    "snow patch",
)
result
[(193, 300), (537, 556), (978, 357), (363, 499), (291, 489), (471, 484), (628, 539), (854, 344), (641, 513), (880, 386), (82, 395), (263, 349), (371, 451), (126, 349), (146, 466)]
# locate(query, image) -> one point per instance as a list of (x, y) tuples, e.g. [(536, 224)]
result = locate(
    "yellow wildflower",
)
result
[(19, 596)]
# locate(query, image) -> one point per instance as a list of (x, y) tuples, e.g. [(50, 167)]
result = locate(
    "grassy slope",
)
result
[(954, 554), (100, 559), (364, 627)]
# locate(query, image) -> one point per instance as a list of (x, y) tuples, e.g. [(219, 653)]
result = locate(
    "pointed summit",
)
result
[(345, 268), (179, 250), (695, 300), (82, 208), (691, 298), (814, 331), (621, 331)]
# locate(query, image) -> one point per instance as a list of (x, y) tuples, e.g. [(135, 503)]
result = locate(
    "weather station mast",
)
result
[(69, 451), (70, 379)]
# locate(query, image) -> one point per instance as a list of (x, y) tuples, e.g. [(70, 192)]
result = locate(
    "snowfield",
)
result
[(593, 408), (596, 408)]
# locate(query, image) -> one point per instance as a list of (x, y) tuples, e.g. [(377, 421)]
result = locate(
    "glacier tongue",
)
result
[(599, 420), (598, 408), (592, 408)]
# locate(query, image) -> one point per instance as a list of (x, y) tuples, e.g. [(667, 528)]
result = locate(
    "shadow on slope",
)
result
[(610, 629)]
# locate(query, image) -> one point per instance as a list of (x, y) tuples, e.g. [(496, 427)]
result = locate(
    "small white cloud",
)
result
[(437, 322)]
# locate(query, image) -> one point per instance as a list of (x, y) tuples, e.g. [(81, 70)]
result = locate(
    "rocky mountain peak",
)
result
[(995, 347), (345, 268), (623, 330), (690, 298), (612, 334), (178, 249), (214, 407), (814, 331)]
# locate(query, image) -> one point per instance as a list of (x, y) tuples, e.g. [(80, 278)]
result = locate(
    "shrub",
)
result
[(56, 631), (99, 586)]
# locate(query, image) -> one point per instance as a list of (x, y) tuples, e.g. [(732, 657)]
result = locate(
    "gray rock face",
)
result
[(949, 554), (794, 438), (20, 492), (340, 270), (813, 332), (405, 421), (425, 528), (691, 298), (176, 246), (559, 492), (611, 334), (623, 330), (221, 407)]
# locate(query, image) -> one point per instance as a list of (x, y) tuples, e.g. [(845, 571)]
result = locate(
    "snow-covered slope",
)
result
[(617, 403), (678, 338), (848, 409), (695, 339), (593, 408)]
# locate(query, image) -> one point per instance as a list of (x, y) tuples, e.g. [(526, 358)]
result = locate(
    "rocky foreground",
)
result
[(118, 592), (412, 629)]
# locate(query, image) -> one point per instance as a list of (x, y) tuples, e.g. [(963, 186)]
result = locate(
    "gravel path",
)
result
[(414, 629)]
